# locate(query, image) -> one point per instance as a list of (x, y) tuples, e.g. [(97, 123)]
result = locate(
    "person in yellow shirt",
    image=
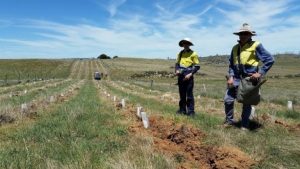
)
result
[(187, 64), (244, 62)]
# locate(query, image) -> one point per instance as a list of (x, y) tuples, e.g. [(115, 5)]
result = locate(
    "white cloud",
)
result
[(262, 14), (114, 5), (111, 6), (141, 36)]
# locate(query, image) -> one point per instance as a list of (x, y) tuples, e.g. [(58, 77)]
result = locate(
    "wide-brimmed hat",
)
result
[(245, 28), (185, 40)]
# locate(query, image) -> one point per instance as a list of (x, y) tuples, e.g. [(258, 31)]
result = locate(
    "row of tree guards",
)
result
[(24, 106), (140, 113), (6, 81)]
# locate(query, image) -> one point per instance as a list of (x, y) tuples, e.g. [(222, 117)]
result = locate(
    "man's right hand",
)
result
[(230, 81), (177, 72)]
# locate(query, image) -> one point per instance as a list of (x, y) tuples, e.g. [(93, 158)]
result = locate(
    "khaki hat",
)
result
[(186, 40), (245, 28)]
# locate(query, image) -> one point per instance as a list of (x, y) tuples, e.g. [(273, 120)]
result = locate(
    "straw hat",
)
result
[(185, 40), (245, 28)]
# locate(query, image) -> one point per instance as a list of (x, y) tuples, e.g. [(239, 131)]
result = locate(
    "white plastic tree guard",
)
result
[(123, 103), (115, 99), (145, 120), (52, 99), (24, 108), (138, 111), (252, 115), (290, 105)]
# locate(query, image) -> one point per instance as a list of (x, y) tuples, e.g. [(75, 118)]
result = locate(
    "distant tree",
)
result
[(103, 56), (115, 57)]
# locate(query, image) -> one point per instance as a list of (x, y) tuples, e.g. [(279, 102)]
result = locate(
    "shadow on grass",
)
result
[(253, 125)]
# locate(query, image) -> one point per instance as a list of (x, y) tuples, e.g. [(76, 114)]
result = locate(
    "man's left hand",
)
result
[(188, 76), (255, 76)]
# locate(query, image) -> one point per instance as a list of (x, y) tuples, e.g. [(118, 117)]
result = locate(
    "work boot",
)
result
[(244, 129), (227, 124), (191, 114), (180, 112)]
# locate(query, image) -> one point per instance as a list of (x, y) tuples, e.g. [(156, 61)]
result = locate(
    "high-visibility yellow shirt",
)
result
[(247, 54), (188, 58)]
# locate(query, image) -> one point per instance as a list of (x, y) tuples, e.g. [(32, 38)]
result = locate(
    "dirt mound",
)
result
[(289, 127), (295, 128), (184, 143), (176, 133)]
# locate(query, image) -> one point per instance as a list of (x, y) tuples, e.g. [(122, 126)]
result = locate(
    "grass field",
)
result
[(16, 71), (83, 127)]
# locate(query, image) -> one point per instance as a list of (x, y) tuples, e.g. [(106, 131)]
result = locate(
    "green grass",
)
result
[(87, 131), (83, 133), (290, 114), (18, 100), (33, 69), (27, 86)]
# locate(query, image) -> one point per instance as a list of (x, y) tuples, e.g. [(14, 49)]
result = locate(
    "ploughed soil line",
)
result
[(289, 127), (184, 143)]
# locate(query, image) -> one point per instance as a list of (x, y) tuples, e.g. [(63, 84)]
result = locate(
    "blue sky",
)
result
[(142, 28)]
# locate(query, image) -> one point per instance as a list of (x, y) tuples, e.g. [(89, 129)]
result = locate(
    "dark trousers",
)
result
[(229, 98), (186, 103)]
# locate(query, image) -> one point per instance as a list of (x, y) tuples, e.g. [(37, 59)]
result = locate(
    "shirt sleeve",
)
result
[(177, 66), (195, 59), (266, 58), (177, 59), (196, 63), (231, 65)]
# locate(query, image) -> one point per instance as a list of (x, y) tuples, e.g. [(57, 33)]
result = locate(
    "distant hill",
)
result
[(217, 59), (287, 55), (223, 59)]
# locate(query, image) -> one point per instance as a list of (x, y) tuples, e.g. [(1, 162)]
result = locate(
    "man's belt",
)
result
[(184, 70)]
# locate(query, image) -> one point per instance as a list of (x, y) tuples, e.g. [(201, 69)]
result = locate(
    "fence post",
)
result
[(204, 88), (6, 79), (19, 77), (151, 84)]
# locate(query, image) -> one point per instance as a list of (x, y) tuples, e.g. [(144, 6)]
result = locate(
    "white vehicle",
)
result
[(97, 76)]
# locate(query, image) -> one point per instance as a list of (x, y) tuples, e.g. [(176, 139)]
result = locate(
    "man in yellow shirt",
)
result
[(244, 62), (187, 64)]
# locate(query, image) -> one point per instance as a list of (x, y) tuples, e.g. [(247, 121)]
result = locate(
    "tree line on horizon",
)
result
[(104, 56)]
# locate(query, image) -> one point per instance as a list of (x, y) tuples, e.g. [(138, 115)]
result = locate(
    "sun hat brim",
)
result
[(185, 41), (253, 33)]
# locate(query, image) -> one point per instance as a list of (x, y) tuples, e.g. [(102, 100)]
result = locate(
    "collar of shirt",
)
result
[(187, 51), (249, 41)]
